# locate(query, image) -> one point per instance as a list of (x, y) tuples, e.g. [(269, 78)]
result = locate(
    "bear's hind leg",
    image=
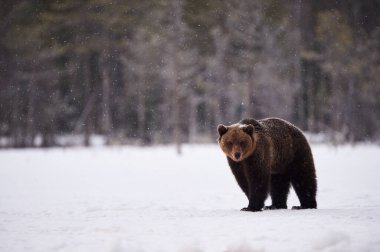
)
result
[(279, 190), (304, 182)]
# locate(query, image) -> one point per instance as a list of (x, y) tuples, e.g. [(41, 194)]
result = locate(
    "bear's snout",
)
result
[(237, 155)]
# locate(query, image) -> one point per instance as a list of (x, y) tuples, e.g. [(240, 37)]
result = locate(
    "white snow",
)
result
[(149, 199)]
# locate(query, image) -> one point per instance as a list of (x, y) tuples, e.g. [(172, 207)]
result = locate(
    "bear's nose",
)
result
[(237, 155)]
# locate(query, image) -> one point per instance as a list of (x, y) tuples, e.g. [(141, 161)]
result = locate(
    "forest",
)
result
[(169, 71)]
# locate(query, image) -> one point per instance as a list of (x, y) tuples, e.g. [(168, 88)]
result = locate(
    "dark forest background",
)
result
[(169, 71)]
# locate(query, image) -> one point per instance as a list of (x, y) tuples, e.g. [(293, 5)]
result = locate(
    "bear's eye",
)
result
[(229, 145), (243, 144)]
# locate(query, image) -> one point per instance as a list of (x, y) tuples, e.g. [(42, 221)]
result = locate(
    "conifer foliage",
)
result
[(169, 71)]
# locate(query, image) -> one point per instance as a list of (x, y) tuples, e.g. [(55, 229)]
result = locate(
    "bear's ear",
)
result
[(248, 129), (222, 129)]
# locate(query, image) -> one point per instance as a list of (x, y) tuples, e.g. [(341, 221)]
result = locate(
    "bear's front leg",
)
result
[(258, 191)]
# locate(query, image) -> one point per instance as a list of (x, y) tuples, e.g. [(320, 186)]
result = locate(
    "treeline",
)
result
[(168, 71)]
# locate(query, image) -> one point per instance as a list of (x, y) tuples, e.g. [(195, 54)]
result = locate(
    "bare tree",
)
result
[(178, 69), (106, 116), (245, 25)]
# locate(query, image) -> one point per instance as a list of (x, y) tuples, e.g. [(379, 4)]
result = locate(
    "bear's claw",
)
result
[(250, 209), (296, 208), (301, 207), (274, 207)]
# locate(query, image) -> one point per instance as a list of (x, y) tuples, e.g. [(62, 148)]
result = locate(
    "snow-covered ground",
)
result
[(149, 199)]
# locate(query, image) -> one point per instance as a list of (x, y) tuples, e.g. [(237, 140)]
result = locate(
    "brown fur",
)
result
[(267, 156)]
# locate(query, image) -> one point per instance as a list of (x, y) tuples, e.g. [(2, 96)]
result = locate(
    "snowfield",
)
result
[(149, 199)]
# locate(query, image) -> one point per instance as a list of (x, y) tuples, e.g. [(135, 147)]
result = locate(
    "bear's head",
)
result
[(237, 141)]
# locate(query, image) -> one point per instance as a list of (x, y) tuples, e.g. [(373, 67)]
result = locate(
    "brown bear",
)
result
[(269, 155)]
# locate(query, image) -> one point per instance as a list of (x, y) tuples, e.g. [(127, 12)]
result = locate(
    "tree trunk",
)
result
[(16, 113), (175, 35), (141, 110), (309, 65), (106, 95), (177, 122), (220, 75), (249, 109), (89, 102), (30, 118), (193, 127)]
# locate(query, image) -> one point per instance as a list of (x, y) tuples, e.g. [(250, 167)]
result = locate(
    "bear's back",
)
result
[(280, 127), (275, 127), (284, 141)]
